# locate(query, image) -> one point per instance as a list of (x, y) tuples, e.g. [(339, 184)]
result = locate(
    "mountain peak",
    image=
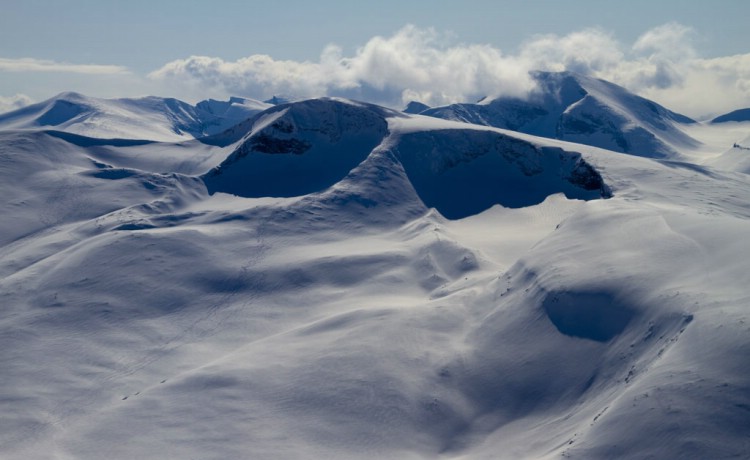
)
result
[(300, 148), (70, 96), (415, 107), (582, 109), (278, 100)]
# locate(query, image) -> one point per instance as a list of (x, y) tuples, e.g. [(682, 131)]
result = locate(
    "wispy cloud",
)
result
[(8, 103), (42, 65)]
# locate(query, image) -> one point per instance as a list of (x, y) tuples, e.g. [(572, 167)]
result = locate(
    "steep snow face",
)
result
[(151, 118), (461, 172), (581, 109), (415, 107), (300, 148), (309, 146)]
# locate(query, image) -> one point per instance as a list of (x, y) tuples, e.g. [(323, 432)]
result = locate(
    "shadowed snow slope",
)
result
[(415, 107), (300, 148), (737, 115), (152, 118), (337, 315), (461, 172), (309, 146), (581, 109)]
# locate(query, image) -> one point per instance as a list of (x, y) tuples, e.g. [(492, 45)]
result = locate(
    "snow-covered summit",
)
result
[(415, 107), (153, 118), (581, 109), (297, 148)]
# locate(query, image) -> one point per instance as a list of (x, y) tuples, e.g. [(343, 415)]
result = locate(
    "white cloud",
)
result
[(8, 103), (672, 41), (42, 65), (410, 64), (589, 51), (660, 59), (418, 64), (709, 86)]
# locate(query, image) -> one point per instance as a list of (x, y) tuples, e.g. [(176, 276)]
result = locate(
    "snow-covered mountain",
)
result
[(736, 115), (296, 149), (581, 109), (415, 107), (307, 147), (334, 279), (149, 118), (235, 110)]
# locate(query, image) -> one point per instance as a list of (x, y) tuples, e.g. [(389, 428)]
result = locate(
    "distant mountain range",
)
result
[(565, 106), (152, 118)]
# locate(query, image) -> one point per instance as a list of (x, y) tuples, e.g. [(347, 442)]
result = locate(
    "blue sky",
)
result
[(111, 49)]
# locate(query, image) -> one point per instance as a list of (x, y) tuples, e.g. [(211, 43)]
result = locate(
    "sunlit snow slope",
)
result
[(333, 279)]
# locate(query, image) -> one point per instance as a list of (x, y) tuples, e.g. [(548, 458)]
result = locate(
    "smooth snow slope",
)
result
[(576, 108), (146, 317), (724, 146), (149, 118), (737, 158)]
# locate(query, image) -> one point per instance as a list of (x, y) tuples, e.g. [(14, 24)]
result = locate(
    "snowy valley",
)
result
[(563, 277)]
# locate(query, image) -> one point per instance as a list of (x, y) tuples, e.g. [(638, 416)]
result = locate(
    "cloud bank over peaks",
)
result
[(423, 65), (434, 68), (413, 63)]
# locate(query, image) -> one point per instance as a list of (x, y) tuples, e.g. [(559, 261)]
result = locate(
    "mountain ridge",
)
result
[(565, 106), (458, 171), (572, 107), (147, 118), (735, 115)]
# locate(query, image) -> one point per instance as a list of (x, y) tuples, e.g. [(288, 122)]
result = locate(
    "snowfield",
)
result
[(333, 279)]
